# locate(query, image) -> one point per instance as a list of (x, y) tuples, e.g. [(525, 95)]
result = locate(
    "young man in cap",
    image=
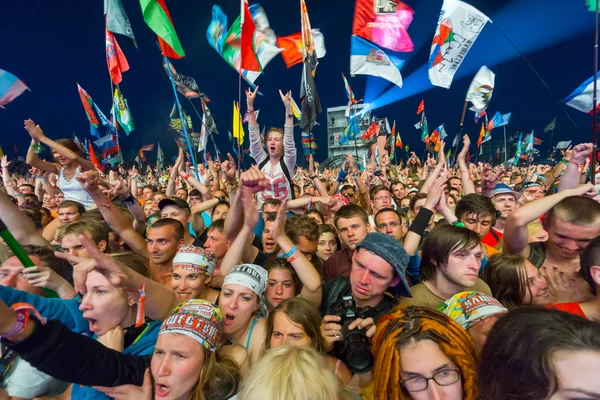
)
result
[(178, 209), (532, 191), (505, 200), (378, 267)]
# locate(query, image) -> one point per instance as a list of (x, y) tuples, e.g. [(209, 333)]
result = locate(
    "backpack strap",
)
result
[(537, 254), (495, 235)]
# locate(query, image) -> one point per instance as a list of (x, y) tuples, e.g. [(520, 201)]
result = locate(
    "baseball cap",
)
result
[(501, 188), (391, 251), (412, 189), (173, 201), (469, 308), (198, 319)]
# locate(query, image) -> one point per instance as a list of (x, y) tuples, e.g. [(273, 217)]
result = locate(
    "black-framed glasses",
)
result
[(446, 377)]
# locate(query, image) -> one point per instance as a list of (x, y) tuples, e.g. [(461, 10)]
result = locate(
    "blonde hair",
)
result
[(284, 373)]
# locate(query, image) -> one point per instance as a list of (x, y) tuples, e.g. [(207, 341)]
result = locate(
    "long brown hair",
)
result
[(71, 145), (412, 324), (506, 276), (218, 378), (299, 311)]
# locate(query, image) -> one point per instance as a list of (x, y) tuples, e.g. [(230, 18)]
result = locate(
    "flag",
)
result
[(424, 128), (186, 85), (309, 145), (481, 135), (292, 47), (550, 126), (309, 97), (93, 158), (228, 45), (384, 23), (349, 91), (1, 152), (11, 87), (87, 103), (582, 98), (265, 40), (203, 139), (121, 109), (496, 121), (371, 131), (117, 20), (148, 147), (104, 140), (110, 147), (238, 129), (458, 27), (506, 118), (157, 17), (308, 49), (248, 54), (209, 122), (479, 115), (435, 139), (296, 110), (421, 107), (456, 140), (442, 131), (591, 5), (160, 158), (519, 150), (110, 128), (481, 89), (368, 59), (115, 59), (563, 144)]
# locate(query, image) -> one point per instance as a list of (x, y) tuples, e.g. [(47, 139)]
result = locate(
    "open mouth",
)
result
[(93, 324), (272, 149), (184, 295), (161, 390), (229, 319)]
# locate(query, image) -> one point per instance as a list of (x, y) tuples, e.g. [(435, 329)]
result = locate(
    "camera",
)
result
[(355, 348)]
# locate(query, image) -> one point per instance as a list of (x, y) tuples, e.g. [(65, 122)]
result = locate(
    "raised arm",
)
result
[(112, 215), (465, 177), (570, 178), (170, 192), (37, 136), (310, 278), (21, 227), (289, 147), (441, 163), (515, 231), (134, 207), (256, 147), (253, 179)]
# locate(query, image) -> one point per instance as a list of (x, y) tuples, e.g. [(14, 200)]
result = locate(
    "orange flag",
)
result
[(117, 63)]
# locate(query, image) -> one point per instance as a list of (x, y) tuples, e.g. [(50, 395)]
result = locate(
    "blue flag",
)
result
[(368, 59)]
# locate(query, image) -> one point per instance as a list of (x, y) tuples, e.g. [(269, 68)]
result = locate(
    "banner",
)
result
[(458, 27), (384, 22)]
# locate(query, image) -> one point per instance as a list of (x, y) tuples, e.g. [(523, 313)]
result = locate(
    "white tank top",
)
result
[(73, 190)]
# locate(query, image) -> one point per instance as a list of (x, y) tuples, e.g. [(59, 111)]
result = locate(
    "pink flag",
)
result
[(384, 23)]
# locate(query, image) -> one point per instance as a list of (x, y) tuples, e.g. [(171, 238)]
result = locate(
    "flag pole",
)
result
[(239, 114), (505, 153), (114, 112), (551, 139), (183, 121), (464, 113), (207, 130), (594, 109)]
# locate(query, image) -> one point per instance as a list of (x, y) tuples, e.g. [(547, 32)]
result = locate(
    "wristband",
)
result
[(576, 163), (310, 203), (288, 254), (564, 161), (292, 258), (421, 221), (313, 177), (128, 201), (289, 115), (459, 223), (186, 176), (23, 310)]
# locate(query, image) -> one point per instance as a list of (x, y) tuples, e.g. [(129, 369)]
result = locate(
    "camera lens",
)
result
[(356, 353)]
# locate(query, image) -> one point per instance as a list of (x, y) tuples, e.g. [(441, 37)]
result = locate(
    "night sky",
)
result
[(52, 46)]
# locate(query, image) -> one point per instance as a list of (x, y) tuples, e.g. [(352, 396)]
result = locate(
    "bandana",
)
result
[(198, 319), (341, 197), (195, 259), (253, 277), (469, 308)]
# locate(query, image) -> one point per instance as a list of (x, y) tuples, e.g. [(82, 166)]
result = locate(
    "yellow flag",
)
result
[(238, 129), (1, 152)]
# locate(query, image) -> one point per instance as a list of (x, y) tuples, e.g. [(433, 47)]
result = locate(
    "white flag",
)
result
[(458, 27), (481, 89)]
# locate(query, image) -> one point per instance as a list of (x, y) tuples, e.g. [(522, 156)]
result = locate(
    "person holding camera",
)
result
[(351, 305)]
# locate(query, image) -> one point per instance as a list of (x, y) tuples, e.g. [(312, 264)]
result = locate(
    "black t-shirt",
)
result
[(261, 258)]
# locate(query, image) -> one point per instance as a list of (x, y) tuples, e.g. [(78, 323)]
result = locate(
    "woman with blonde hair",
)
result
[(292, 373), (422, 354)]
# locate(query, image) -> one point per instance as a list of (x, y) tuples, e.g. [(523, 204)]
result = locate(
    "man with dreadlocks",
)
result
[(422, 354)]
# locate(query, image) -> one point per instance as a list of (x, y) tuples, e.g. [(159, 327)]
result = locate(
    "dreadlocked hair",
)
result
[(411, 324)]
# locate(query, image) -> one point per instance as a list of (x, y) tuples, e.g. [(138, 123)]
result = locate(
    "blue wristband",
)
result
[(288, 254)]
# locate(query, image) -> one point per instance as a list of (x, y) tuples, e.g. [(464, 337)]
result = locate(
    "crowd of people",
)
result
[(413, 281)]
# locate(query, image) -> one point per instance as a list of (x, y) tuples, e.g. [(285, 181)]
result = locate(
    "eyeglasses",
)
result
[(381, 198), (446, 377), (390, 224)]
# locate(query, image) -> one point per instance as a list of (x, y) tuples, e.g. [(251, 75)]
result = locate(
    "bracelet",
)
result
[(313, 177), (128, 201), (310, 203), (23, 310), (289, 253), (289, 115), (186, 176), (564, 161), (576, 163), (292, 258), (459, 223)]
